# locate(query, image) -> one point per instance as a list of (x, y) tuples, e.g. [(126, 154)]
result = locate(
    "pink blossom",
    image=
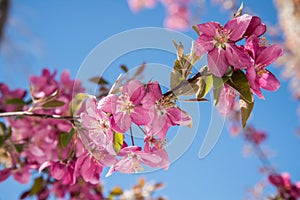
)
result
[(126, 108), (219, 42), (178, 17), (44, 85), (256, 27), (6, 94), (286, 189), (255, 136), (98, 125), (132, 159), (163, 113), (60, 171), (227, 99), (137, 5), (88, 167), (258, 76)]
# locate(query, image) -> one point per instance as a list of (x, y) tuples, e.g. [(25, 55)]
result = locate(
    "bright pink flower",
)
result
[(258, 76), (137, 5), (219, 42), (256, 27), (132, 159), (163, 114), (178, 17), (98, 125), (88, 167), (286, 189), (126, 108), (60, 171), (6, 94), (227, 99), (45, 85), (255, 136)]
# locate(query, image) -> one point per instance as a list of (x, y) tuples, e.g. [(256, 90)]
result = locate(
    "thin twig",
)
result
[(142, 130), (30, 114), (131, 135)]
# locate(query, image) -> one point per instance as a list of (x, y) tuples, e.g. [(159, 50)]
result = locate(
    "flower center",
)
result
[(126, 104), (221, 38)]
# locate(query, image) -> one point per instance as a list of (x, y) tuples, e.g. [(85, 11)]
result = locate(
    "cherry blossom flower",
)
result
[(44, 85), (6, 94), (163, 113), (219, 42), (126, 108), (255, 136), (98, 125), (286, 189), (258, 76), (227, 99), (137, 5), (132, 158), (60, 171)]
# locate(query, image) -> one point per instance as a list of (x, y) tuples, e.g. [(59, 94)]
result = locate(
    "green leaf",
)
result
[(218, 81), (19, 147), (2, 128), (205, 84), (99, 80), (217, 93), (175, 79), (246, 109), (118, 141), (53, 104), (38, 186), (240, 83), (65, 138), (15, 101), (196, 29)]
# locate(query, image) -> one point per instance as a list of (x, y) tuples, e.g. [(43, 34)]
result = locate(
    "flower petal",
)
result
[(121, 122), (140, 115), (237, 27), (255, 27), (238, 57), (268, 81), (269, 55), (179, 117), (210, 28), (204, 44), (136, 91), (217, 62), (108, 103)]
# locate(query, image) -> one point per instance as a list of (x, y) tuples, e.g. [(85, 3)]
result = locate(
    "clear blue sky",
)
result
[(60, 34)]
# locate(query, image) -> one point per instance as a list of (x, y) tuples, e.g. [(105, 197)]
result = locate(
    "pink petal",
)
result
[(252, 78), (210, 28), (135, 90), (179, 117), (22, 175), (154, 89), (269, 82), (58, 171), (237, 27), (121, 122), (238, 57), (217, 62), (4, 174), (108, 103), (204, 44), (255, 27), (269, 55), (140, 116), (252, 45), (150, 159), (45, 165)]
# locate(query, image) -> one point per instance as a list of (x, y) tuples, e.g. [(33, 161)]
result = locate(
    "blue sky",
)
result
[(60, 34)]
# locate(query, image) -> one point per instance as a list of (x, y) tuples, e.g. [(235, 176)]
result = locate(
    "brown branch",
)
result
[(30, 114), (4, 7)]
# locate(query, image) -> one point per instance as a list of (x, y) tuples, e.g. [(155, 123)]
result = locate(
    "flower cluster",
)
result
[(105, 122), (225, 55), (286, 189), (178, 12)]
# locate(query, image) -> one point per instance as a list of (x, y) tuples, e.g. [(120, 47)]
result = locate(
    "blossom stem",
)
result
[(142, 130), (131, 135), (263, 157), (30, 114)]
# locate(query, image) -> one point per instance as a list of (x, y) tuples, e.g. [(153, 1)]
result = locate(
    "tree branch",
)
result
[(30, 114)]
